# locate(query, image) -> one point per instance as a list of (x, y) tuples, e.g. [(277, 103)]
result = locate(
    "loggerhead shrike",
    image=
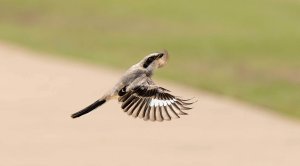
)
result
[(140, 96)]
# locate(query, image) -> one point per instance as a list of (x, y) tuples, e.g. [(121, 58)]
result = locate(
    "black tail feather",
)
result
[(88, 108)]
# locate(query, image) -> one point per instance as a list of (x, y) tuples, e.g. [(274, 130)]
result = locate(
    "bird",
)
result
[(140, 96)]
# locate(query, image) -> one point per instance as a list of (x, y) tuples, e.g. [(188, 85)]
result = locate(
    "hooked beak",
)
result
[(162, 58)]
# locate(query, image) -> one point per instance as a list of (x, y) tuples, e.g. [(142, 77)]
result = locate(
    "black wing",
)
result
[(153, 103)]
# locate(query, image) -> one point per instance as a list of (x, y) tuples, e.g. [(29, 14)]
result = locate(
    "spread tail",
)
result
[(88, 108)]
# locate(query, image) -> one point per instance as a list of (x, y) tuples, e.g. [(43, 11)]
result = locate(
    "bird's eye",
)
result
[(150, 59), (122, 92)]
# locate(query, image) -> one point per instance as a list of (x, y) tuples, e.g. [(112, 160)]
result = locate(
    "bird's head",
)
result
[(155, 60)]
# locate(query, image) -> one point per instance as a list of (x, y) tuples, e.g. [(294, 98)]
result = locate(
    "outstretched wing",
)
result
[(154, 103)]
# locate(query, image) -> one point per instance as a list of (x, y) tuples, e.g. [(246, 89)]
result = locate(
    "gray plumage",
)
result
[(140, 96)]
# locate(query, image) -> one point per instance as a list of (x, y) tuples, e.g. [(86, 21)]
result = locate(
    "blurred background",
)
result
[(247, 49)]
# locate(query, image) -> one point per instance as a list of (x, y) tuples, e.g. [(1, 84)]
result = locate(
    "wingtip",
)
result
[(188, 101)]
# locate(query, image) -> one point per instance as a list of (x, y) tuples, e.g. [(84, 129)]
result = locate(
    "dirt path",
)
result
[(39, 93)]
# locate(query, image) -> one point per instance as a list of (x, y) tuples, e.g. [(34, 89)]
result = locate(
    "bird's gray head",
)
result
[(155, 60)]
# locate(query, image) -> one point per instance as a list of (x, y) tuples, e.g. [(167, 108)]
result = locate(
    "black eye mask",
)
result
[(160, 55), (149, 61)]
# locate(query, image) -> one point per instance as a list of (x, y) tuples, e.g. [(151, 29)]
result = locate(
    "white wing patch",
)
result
[(158, 102)]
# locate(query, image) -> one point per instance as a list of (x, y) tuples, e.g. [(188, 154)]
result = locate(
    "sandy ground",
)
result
[(38, 94)]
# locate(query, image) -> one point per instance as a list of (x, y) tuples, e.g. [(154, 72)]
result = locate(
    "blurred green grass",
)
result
[(245, 49)]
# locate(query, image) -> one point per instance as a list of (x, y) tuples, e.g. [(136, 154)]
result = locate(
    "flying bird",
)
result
[(140, 96)]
